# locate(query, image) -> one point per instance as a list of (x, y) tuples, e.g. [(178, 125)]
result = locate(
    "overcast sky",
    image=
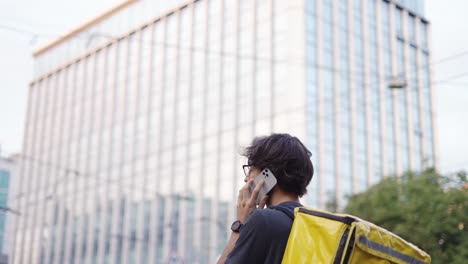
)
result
[(50, 18)]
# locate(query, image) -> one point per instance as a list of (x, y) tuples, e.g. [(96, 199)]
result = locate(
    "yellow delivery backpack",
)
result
[(322, 237)]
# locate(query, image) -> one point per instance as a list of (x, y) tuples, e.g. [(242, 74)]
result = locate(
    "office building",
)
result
[(135, 119), (8, 214)]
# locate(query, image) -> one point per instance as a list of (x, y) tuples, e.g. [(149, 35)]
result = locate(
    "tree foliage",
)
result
[(427, 209)]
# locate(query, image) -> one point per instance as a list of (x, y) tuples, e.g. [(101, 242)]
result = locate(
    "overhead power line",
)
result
[(453, 77), (452, 57), (35, 35)]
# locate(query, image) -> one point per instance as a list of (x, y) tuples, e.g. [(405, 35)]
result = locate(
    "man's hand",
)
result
[(246, 201)]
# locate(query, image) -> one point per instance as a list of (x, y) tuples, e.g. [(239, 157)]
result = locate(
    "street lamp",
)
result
[(397, 83)]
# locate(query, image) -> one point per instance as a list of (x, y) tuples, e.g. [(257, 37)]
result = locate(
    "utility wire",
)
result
[(224, 54), (350, 75), (69, 171), (269, 59), (453, 77), (20, 31), (452, 57), (121, 182), (257, 58), (345, 108)]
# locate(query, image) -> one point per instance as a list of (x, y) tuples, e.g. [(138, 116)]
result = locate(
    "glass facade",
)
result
[(374, 93), (390, 132), (360, 102), (427, 136), (345, 127), (312, 106), (327, 97), (135, 137), (414, 6), (374, 131), (402, 108), (415, 110), (9, 213), (142, 131), (4, 186)]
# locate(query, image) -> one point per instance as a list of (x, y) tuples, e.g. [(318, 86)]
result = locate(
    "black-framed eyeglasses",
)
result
[(246, 169)]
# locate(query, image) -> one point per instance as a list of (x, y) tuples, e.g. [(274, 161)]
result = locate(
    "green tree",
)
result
[(428, 209)]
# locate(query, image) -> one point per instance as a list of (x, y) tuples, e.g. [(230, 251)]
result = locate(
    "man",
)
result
[(260, 235)]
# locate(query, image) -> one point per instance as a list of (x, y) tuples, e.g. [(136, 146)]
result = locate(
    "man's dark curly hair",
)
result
[(286, 157)]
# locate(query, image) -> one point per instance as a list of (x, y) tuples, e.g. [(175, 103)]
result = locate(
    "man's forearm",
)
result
[(229, 247)]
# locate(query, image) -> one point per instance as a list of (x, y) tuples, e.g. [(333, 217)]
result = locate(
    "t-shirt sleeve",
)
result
[(251, 244)]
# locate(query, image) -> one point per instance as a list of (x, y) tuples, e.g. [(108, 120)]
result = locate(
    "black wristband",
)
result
[(236, 226)]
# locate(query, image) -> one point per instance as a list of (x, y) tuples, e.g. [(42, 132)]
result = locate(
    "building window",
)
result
[(3, 199), (411, 29), (399, 22), (4, 179), (423, 35)]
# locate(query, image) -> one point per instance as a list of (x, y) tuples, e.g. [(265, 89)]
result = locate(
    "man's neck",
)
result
[(279, 197)]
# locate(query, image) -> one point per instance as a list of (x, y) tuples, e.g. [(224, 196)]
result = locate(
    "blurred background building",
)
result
[(8, 214), (135, 119)]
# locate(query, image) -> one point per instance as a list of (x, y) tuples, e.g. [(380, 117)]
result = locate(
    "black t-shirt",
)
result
[(263, 237)]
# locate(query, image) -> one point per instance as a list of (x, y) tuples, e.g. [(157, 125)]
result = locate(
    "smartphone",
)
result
[(270, 182)]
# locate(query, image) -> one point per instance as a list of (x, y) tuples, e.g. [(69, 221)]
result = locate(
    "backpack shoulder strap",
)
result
[(286, 212)]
